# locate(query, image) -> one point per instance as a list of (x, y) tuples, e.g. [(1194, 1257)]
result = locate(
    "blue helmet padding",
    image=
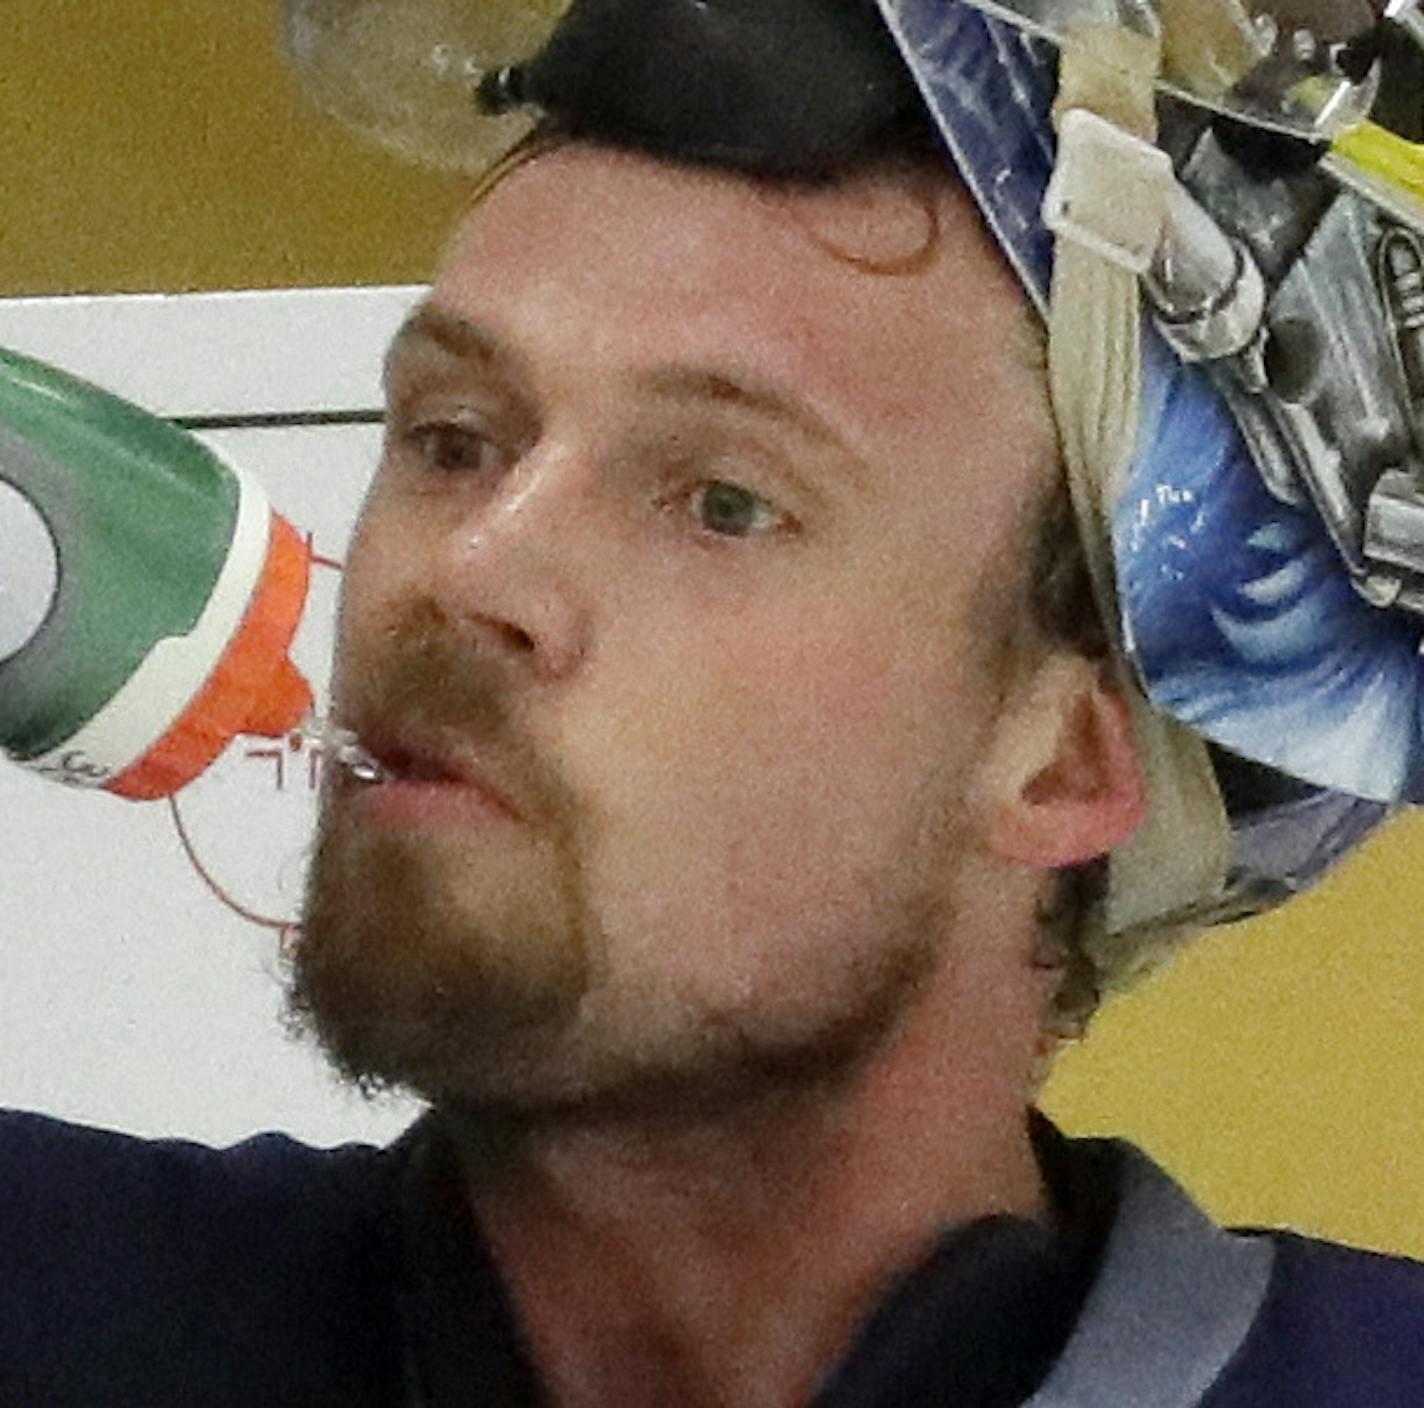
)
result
[(990, 90), (1242, 620)]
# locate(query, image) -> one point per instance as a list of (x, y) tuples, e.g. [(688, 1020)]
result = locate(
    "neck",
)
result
[(731, 1261)]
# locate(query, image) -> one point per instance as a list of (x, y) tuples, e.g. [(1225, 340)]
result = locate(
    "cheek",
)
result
[(748, 780), (378, 574)]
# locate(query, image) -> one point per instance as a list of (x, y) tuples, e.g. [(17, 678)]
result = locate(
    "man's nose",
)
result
[(514, 565)]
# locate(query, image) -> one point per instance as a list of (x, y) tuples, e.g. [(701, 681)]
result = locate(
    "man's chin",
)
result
[(414, 970), (492, 1053)]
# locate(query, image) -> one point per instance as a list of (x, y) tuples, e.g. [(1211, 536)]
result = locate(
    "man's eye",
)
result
[(730, 511), (449, 447)]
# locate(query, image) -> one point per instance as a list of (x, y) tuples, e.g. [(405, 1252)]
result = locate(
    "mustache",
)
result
[(423, 672), (427, 675)]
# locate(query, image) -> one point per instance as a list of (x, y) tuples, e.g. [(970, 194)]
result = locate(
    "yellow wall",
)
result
[(1277, 1068), (161, 146)]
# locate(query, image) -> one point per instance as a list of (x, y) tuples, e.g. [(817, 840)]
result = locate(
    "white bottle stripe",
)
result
[(175, 669)]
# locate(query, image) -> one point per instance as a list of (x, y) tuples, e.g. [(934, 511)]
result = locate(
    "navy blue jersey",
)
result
[(161, 1273)]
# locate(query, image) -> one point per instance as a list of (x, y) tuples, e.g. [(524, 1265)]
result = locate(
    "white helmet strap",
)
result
[(1107, 209)]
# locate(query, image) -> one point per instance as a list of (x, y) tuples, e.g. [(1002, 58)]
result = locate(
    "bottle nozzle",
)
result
[(342, 747)]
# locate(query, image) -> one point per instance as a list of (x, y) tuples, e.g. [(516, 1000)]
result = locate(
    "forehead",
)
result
[(602, 263)]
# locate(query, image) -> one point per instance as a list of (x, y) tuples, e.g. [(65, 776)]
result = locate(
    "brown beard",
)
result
[(402, 1000), (402, 984)]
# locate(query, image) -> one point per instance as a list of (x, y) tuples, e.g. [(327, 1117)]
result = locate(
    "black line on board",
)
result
[(278, 420)]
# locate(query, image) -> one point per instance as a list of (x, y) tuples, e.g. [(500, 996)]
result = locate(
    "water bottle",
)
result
[(148, 592)]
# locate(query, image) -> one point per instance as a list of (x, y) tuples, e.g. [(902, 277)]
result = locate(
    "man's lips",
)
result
[(428, 779)]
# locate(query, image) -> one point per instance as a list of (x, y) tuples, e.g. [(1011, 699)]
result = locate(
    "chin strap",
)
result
[(1107, 203)]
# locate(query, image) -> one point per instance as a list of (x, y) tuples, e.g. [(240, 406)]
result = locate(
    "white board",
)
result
[(129, 996)]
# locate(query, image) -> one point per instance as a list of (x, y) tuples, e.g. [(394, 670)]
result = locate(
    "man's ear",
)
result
[(1061, 782)]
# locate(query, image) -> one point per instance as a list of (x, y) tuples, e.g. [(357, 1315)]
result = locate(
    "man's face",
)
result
[(698, 545)]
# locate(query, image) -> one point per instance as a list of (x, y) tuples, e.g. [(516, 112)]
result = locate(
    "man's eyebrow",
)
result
[(705, 386), (430, 326)]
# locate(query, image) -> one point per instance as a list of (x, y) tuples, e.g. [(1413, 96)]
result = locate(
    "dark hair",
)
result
[(772, 88)]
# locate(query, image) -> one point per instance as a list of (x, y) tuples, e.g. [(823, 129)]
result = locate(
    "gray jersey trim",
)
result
[(1173, 1302)]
